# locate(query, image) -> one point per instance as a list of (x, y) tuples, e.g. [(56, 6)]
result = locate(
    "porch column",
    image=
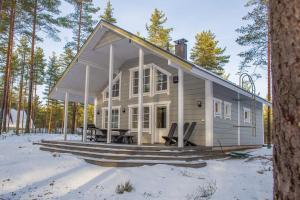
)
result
[(95, 110), (141, 93), (180, 107), (66, 115), (86, 102), (239, 118), (209, 110), (110, 79)]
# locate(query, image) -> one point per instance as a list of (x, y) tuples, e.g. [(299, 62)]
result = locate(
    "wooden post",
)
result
[(86, 101), (180, 107), (95, 110), (141, 93), (66, 115), (209, 110), (109, 109)]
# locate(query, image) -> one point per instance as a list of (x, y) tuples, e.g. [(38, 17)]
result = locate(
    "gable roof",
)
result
[(172, 58)]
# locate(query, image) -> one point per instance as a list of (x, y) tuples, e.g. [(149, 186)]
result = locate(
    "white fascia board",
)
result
[(206, 75)]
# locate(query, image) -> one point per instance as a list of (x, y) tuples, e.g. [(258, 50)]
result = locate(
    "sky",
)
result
[(187, 18)]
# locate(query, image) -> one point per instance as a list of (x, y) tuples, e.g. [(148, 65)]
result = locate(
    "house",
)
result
[(113, 63)]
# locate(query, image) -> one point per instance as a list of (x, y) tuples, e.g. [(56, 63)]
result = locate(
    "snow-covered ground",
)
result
[(28, 173)]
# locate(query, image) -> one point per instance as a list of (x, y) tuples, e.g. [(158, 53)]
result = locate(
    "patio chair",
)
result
[(187, 135), (168, 139)]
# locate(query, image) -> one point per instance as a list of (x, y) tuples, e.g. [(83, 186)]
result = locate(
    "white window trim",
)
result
[(227, 116), (130, 107), (134, 69), (219, 114), (155, 69), (151, 106), (249, 118), (119, 76), (113, 108)]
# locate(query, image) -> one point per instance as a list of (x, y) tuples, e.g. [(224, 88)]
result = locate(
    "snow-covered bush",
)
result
[(203, 192), (121, 188)]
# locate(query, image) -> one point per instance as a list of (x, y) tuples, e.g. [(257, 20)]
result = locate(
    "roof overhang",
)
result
[(95, 54)]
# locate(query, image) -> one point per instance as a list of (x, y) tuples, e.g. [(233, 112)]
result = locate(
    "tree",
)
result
[(255, 36), (82, 18), (207, 54), (23, 52), (53, 73), (108, 14), (42, 14), (285, 44), (4, 111), (157, 33)]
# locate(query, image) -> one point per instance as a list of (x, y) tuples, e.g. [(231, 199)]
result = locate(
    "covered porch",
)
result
[(95, 67)]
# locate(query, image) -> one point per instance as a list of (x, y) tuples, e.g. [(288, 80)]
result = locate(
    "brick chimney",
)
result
[(181, 48)]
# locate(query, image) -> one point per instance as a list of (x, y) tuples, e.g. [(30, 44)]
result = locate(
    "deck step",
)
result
[(124, 151), (128, 147), (113, 156), (137, 163)]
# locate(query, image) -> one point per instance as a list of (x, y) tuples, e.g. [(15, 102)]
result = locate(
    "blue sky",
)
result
[(187, 18)]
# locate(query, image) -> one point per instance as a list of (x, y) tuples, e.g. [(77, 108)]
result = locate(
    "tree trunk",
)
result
[(269, 85), (27, 127), (73, 126), (20, 95), (3, 112), (8, 108), (285, 38)]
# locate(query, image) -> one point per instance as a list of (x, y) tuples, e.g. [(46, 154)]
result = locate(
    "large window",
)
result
[(247, 115), (135, 81), (156, 81), (217, 108), (115, 89), (115, 118), (133, 118)]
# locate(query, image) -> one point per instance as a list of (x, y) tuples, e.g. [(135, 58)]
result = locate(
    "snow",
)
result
[(28, 173)]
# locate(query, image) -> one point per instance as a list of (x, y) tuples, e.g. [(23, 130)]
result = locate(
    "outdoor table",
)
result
[(121, 137)]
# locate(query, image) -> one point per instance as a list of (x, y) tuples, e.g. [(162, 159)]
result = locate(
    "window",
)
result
[(217, 108), (115, 118), (133, 118), (115, 89), (161, 81), (161, 117), (227, 110), (247, 115), (156, 81)]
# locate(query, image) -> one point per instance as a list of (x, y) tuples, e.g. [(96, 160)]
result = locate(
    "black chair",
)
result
[(172, 139), (168, 139), (187, 135)]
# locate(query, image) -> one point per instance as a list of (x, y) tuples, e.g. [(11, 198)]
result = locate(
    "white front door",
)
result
[(161, 122)]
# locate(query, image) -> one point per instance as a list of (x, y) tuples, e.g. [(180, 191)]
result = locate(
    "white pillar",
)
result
[(110, 79), (86, 101), (95, 110), (66, 115), (209, 110), (180, 107), (239, 118), (141, 93)]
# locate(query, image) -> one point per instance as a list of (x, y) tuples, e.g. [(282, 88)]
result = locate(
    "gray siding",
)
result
[(226, 130), (194, 92)]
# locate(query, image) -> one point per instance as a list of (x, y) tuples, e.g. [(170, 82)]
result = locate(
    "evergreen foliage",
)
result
[(207, 54), (157, 33), (108, 14), (254, 35)]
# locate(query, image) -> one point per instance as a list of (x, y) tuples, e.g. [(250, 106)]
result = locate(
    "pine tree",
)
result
[(207, 54), (23, 52), (108, 14), (255, 36), (43, 15), (53, 73), (157, 33), (82, 18)]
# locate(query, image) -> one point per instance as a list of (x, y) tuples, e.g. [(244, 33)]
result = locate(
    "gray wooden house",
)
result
[(113, 64)]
